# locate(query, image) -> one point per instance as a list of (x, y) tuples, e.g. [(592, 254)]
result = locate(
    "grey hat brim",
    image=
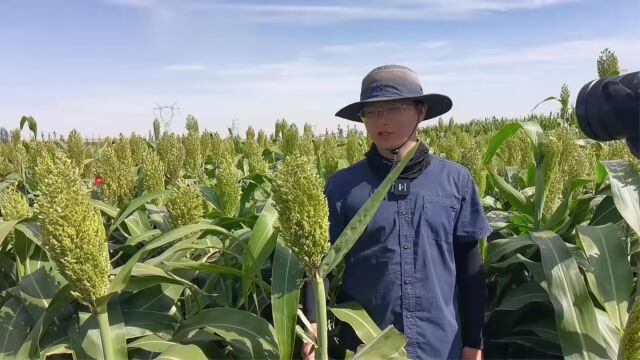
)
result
[(437, 104)]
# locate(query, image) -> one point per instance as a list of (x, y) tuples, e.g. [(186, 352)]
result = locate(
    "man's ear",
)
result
[(423, 109)]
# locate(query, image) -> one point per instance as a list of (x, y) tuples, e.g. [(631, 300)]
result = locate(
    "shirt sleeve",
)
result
[(471, 222)]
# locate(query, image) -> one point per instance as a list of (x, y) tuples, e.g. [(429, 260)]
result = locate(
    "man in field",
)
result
[(417, 265)]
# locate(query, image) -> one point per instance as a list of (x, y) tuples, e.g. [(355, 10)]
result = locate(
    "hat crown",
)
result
[(390, 81)]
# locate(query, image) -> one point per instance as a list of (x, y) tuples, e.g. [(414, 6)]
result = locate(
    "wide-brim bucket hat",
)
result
[(395, 82)]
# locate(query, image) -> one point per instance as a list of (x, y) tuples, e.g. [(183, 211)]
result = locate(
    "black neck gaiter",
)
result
[(381, 165)]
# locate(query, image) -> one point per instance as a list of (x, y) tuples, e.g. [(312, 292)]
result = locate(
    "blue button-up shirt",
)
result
[(402, 269)]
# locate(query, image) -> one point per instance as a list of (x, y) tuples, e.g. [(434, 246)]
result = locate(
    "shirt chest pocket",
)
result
[(439, 217)]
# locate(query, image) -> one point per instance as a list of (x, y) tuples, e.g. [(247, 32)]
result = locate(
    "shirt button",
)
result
[(407, 315), (405, 246), (406, 281)]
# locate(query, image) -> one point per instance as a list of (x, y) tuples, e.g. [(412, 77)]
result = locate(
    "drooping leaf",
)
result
[(353, 314), (575, 315)]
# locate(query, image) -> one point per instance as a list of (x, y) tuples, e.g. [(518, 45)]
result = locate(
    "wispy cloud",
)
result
[(185, 67), (347, 10)]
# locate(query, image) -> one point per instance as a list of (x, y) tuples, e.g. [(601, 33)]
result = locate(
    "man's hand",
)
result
[(471, 354), (308, 349)]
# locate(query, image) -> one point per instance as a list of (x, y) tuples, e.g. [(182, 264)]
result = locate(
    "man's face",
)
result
[(390, 128)]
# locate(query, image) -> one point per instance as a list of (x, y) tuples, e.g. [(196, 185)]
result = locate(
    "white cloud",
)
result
[(346, 10), (186, 67)]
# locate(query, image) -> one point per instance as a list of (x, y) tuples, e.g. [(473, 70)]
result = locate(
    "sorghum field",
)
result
[(195, 246)]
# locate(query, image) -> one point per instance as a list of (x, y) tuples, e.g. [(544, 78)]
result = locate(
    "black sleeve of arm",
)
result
[(309, 299), (470, 277)]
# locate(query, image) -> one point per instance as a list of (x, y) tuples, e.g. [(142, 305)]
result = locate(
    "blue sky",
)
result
[(101, 66)]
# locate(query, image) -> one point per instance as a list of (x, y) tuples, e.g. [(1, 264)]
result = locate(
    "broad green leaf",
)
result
[(500, 247), (138, 223), (536, 343), (37, 289), (29, 347), (523, 295), (610, 334), (285, 296), (513, 196), (136, 203), (359, 222), (110, 210), (15, 322), (123, 273), (389, 344), (178, 351), (561, 214), (545, 328), (625, 186), (144, 322), (531, 129), (353, 314), (233, 324), (576, 320), (261, 244), (5, 228), (159, 298), (143, 237), (607, 254), (605, 212), (145, 275), (214, 268), (31, 123), (153, 343), (62, 350)]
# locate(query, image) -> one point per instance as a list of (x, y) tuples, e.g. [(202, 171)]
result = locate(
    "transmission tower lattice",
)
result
[(166, 123)]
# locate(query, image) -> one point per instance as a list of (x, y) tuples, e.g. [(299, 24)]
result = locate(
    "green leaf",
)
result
[(388, 345), (353, 314), (138, 223), (359, 222), (605, 212), (233, 324), (178, 351), (536, 343), (508, 192), (214, 268), (607, 254), (561, 215), (31, 122), (15, 322), (545, 100), (109, 210), (145, 275), (261, 245), (5, 229), (123, 273), (29, 347), (625, 186), (37, 289), (528, 292), (610, 334), (285, 296), (153, 343), (145, 322), (545, 328), (500, 247), (134, 205), (576, 320)]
